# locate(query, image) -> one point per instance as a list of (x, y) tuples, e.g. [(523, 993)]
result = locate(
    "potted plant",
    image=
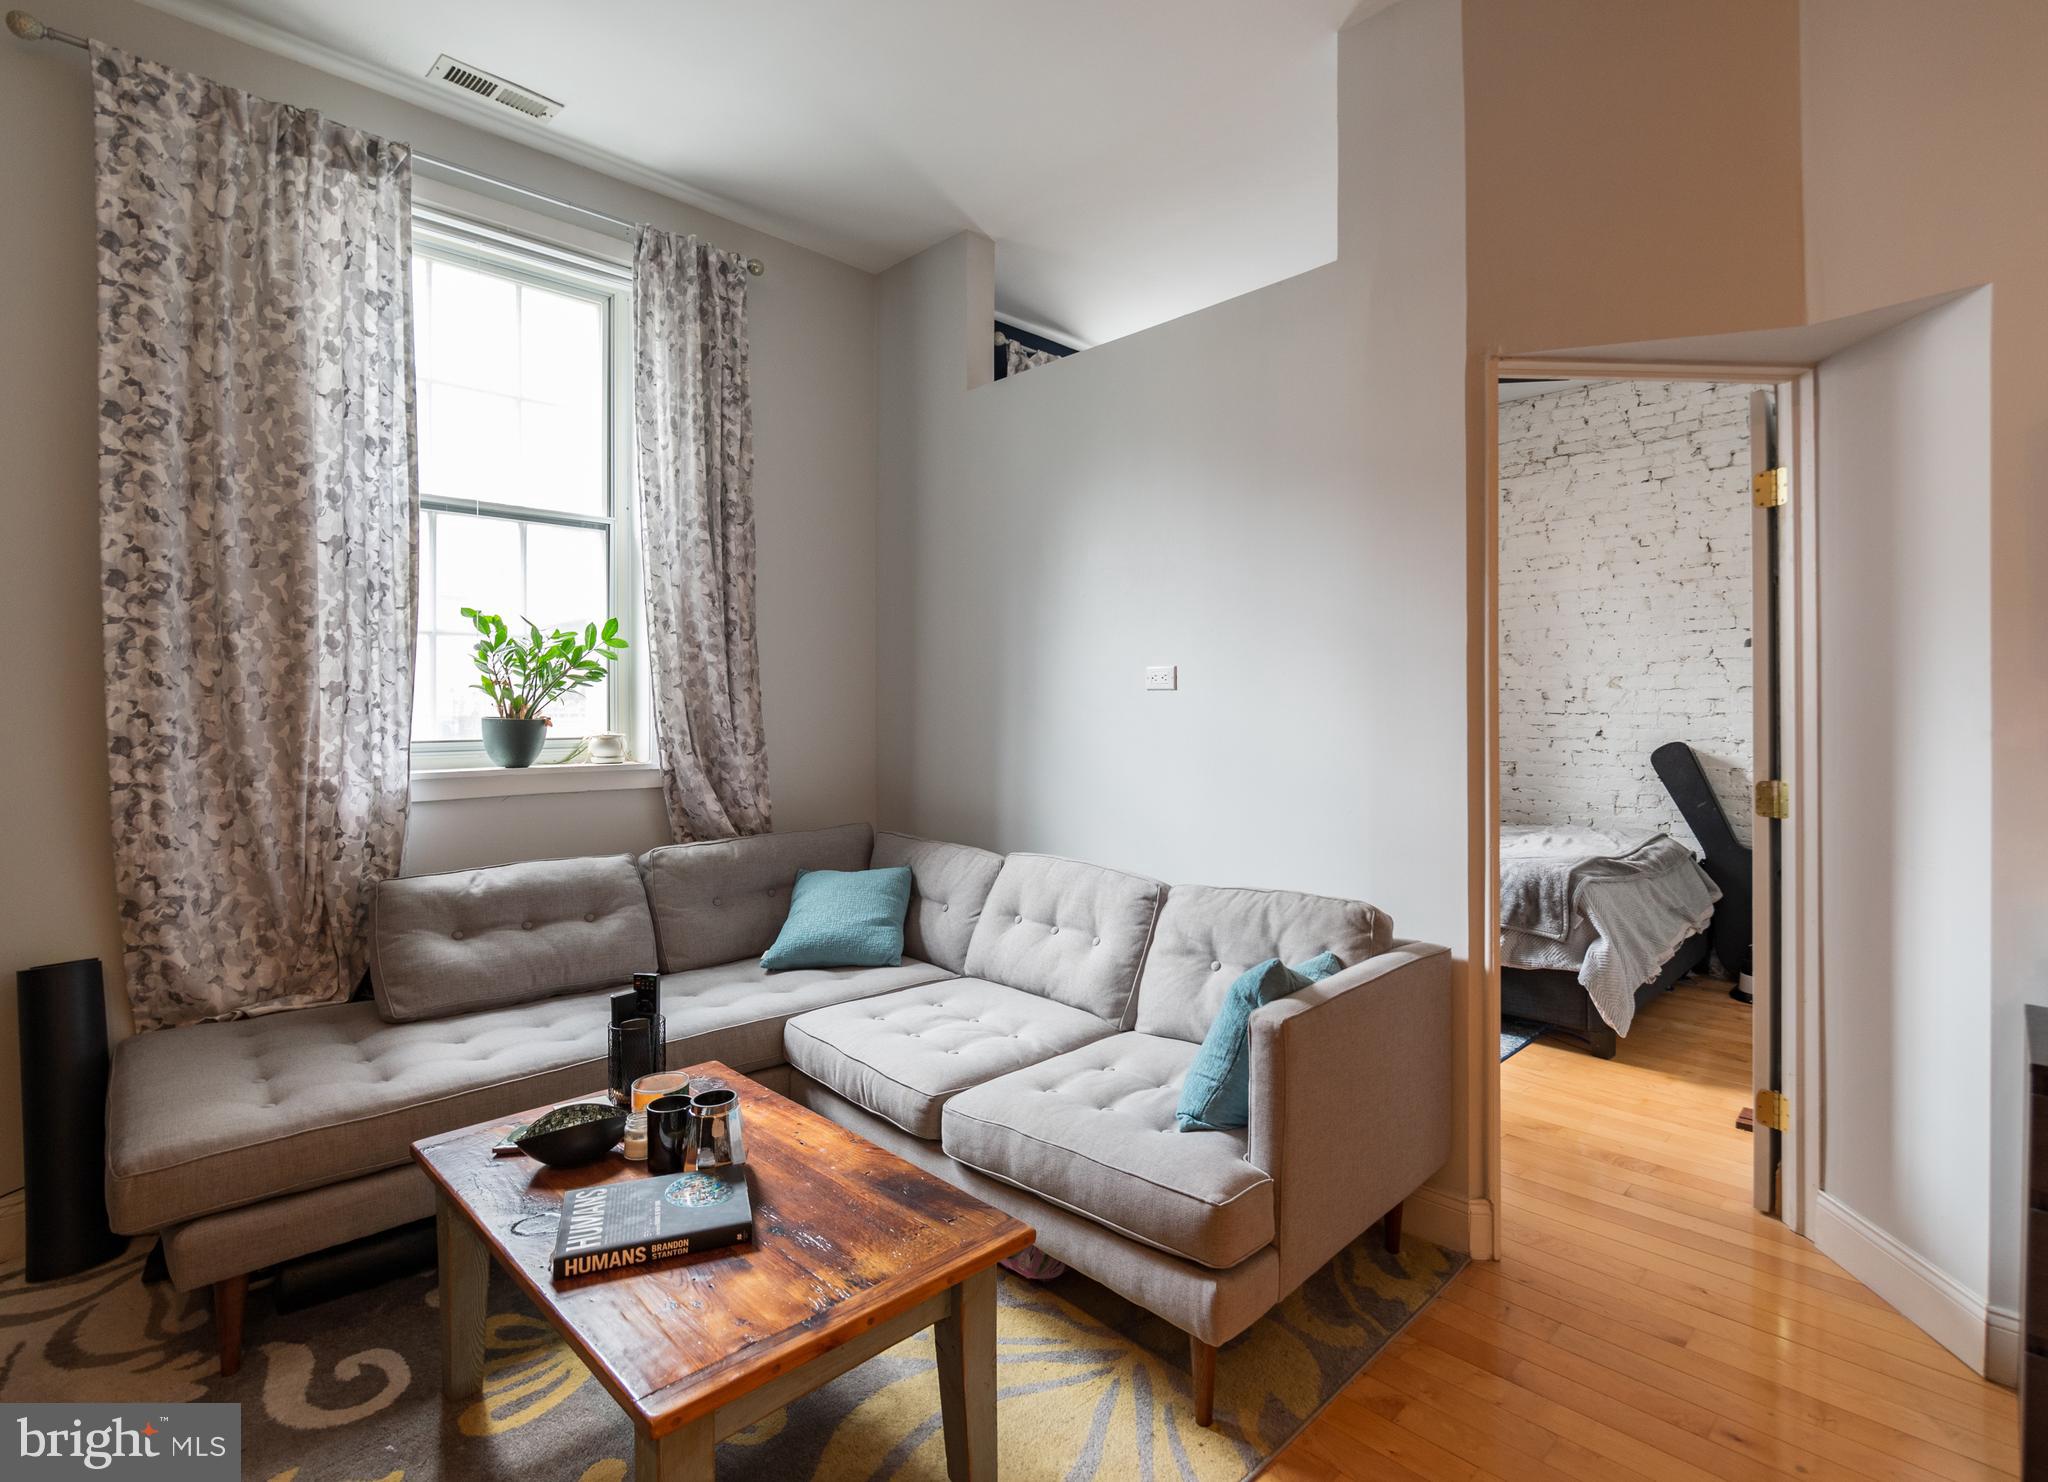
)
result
[(523, 676)]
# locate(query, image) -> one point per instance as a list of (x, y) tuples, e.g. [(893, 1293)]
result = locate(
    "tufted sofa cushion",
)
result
[(903, 1055), (212, 1116), (949, 885), (1093, 1132), (735, 1013), (726, 899), (475, 939), (1071, 932), (1207, 936)]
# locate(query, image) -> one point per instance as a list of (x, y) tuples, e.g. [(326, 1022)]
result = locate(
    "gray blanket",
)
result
[(1643, 897)]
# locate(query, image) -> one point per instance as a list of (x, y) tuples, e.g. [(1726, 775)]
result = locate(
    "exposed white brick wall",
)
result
[(1624, 600)]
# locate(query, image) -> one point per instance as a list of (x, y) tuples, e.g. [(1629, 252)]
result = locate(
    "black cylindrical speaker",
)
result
[(64, 1117)]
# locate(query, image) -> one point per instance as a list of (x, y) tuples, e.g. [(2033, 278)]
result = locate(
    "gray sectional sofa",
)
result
[(1029, 1048)]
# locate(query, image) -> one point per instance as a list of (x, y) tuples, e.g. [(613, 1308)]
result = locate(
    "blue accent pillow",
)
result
[(1217, 1094), (843, 918)]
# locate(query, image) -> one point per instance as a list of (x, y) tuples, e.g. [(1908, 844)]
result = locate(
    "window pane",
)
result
[(469, 446), (566, 584), (562, 457), (456, 707), (475, 328), (561, 340), (511, 385), (476, 564), (555, 575)]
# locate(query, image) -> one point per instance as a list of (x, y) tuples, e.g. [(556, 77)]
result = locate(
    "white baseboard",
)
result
[(13, 1228), (1960, 1320), (2002, 1347), (1450, 1220)]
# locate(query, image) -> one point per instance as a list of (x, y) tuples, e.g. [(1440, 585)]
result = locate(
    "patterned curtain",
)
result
[(257, 511), (1018, 358), (694, 426)]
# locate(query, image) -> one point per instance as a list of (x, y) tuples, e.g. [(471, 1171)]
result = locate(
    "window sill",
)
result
[(448, 784)]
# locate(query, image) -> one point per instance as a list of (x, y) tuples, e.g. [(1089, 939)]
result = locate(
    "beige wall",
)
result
[(813, 341), (1267, 493), (1631, 170), (1926, 133)]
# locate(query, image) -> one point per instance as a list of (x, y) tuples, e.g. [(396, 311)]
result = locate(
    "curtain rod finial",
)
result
[(26, 26)]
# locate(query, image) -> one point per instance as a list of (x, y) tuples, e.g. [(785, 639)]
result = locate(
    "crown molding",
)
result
[(493, 120)]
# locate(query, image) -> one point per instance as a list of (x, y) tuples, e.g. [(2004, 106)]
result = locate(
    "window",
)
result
[(524, 453)]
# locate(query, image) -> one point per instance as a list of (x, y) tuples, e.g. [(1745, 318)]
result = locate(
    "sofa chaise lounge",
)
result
[(1030, 1047)]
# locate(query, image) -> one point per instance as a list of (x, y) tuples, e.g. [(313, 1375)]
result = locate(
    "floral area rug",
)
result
[(349, 1391)]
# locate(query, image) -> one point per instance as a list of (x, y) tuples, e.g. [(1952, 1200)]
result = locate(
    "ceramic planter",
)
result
[(513, 743)]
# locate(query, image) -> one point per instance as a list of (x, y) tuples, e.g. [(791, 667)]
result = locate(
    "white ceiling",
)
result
[(1132, 159)]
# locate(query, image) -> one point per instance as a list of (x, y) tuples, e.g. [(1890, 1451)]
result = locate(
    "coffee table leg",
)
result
[(465, 1281), (966, 1338), (683, 1455)]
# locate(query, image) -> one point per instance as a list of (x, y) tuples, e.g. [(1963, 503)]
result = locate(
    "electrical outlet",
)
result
[(1162, 676)]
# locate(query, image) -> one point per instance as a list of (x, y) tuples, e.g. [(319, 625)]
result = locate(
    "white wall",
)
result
[(813, 360), (1267, 493), (1905, 738), (1624, 600)]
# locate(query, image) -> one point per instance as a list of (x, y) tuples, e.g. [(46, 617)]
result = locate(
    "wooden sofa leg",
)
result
[(229, 1299), (1202, 1368), (1390, 1230)]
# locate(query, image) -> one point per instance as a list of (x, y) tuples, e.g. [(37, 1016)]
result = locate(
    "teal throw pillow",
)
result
[(1217, 1093), (843, 918)]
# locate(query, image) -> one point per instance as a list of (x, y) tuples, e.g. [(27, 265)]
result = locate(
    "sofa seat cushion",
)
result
[(1093, 1131), (735, 1013), (214, 1116), (904, 1055)]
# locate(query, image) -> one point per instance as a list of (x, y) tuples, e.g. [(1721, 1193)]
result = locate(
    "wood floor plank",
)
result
[(1643, 1321)]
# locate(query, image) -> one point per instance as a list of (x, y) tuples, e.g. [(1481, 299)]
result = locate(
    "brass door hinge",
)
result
[(1773, 800), (1771, 487), (1772, 1111)]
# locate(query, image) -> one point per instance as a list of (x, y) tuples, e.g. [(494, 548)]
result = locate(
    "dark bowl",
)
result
[(569, 1136)]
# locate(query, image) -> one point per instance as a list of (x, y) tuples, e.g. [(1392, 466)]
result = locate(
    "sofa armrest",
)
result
[(1351, 1098)]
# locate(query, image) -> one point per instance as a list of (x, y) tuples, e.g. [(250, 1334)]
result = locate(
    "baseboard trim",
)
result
[(2002, 1347), (1960, 1320), (1451, 1220), (13, 1228)]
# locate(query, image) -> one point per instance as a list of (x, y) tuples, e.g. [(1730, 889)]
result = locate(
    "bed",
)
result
[(1595, 924)]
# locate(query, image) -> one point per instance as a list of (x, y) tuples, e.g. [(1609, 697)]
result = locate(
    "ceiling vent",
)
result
[(491, 87)]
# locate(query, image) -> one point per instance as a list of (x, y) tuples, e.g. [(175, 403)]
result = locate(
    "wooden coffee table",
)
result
[(855, 1250)]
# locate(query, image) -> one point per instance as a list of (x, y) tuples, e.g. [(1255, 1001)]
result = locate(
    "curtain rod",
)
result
[(28, 28)]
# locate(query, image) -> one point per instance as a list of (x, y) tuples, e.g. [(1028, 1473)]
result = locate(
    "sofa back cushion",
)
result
[(1209, 935), (1068, 931), (481, 939), (725, 899), (949, 884)]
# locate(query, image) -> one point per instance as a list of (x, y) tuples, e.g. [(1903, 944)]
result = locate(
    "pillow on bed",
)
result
[(1217, 1094)]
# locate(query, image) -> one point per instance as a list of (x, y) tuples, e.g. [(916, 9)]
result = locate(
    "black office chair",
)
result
[(1728, 859)]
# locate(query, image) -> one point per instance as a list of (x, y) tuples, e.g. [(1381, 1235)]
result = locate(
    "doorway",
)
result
[(1641, 598)]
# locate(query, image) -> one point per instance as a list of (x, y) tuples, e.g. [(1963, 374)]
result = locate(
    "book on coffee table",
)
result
[(630, 1225)]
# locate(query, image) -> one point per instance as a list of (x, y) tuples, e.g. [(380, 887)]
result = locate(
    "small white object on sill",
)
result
[(449, 784)]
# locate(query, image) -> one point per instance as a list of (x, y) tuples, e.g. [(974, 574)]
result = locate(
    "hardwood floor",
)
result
[(1644, 1321)]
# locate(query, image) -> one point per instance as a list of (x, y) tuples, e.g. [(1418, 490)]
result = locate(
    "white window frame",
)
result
[(505, 246)]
